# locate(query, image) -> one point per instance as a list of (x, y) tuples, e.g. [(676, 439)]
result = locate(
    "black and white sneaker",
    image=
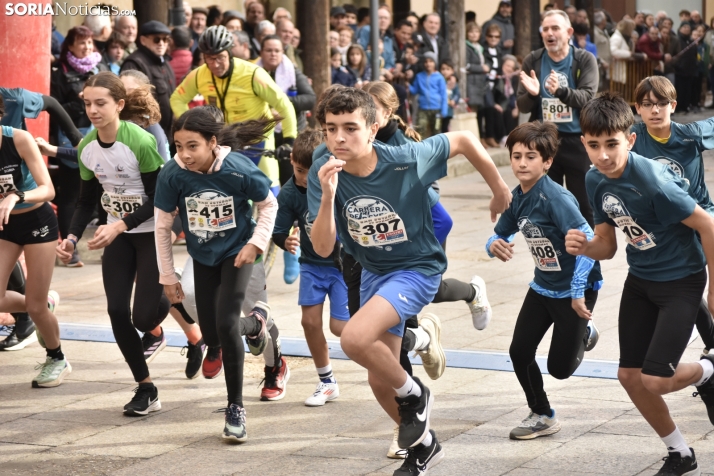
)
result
[(706, 391), (145, 400), (234, 428), (153, 345), (675, 465), (592, 335), (421, 458), (414, 413), (21, 335), (195, 355)]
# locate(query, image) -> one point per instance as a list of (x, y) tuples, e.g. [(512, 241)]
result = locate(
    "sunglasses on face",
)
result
[(159, 39)]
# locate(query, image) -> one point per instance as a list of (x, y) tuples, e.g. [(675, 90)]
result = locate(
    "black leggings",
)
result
[(567, 346), (705, 325), (572, 163), (67, 186), (17, 283), (132, 257), (220, 291)]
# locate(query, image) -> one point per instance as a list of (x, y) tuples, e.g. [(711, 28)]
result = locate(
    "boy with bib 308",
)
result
[(564, 290)]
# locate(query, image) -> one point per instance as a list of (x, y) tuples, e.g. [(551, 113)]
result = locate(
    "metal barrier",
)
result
[(626, 75)]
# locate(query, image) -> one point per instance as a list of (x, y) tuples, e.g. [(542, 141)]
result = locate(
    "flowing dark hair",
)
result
[(236, 136)]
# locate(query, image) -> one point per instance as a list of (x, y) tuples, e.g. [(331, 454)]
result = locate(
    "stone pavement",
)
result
[(78, 428)]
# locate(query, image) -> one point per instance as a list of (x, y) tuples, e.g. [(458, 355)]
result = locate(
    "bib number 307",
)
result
[(387, 229)]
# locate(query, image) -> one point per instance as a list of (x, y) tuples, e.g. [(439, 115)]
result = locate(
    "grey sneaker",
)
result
[(234, 428), (535, 426), (480, 308), (433, 358), (257, 343), (52, 373)]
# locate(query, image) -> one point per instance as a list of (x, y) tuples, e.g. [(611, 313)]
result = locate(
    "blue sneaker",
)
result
[(292, 267)]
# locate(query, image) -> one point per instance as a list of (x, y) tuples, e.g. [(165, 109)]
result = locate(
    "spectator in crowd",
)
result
[(413, 18), (685, 69), (338, 17), (649, 22), (581, 16), (709, 41), (214, 16), (254, 14), (199, 20), (602, 44), (127, 26), (502, 18), (402, 35), (333, 38), (344, 41), (476, 74), (296, 41), (493, 130), (429, 40), (651, 45), (187, 14), (621, 49), (232, 20), (640, 26), (340, 75), (264, 28), (671, 45), (470, 16), (241, 45), (571, 82), (700, 82), (150, 58), (510, 69), (78, 61), (384, 18), (696, 19), (101, 27), (351, 15), (358, 66), (285, 29), (281, 13), (56, 42), (181, 56), (116, 47), (453, 93), (581, 32), (433, 104), (550, 6), (684, 17), (661, 15), (293, 83), (571, 12)]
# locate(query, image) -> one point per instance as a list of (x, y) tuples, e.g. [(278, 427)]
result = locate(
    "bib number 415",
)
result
[(217, 212)]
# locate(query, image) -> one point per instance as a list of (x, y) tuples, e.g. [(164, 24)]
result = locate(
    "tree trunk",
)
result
[(153, 10), (522, 22), (313, 23), (456, 37)]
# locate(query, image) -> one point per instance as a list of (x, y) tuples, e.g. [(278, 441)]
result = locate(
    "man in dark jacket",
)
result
[(429, 39), (556, 82), (150, 58), (502, 18)]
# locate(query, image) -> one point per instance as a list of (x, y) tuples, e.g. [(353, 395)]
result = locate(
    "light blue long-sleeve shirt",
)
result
[(431, 89)]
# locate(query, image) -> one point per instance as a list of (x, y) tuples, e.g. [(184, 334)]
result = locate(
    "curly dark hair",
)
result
[(541, 136), (347, 100)]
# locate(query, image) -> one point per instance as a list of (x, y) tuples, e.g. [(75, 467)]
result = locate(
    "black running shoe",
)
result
[(21, 335), (153, 345), (706, 391), (421, 458), (592, 335), (414, 413), (146, 399), (675, 465), (234, 428), (195, 355)]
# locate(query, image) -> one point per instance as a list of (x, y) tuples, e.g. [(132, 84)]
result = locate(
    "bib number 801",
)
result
[(381, 227), (216, 212), (557, 108)]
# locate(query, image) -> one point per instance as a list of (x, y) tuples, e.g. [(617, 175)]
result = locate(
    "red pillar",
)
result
[(25, 55)]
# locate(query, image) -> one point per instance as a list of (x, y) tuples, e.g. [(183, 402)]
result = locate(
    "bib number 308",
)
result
[(118, 205)]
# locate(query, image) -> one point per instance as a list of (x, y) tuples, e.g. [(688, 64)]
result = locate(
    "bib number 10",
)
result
[(216, 212), (381, 227)]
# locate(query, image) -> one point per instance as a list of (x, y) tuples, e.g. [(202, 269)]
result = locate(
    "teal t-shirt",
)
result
[(682, 153), (384, 219), (648, 203), (20, 104), (553, 110), (213, 233), (292, 205), (544, 215)]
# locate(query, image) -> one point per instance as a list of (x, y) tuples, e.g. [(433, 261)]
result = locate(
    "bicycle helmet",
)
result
[(215, 39)]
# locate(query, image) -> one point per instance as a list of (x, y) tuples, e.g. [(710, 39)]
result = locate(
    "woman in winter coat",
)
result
[(476, 73)]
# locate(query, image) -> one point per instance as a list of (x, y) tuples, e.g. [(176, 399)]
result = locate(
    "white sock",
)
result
[(427, 440), (325, 373), (422, 339), (707, 371), (410, 387), (675, 443)]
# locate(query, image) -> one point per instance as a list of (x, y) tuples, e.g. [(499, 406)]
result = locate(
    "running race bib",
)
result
[(556, 111), (118, 205), (210, 215), (6, 185), (386, 229), (635, 235), (543, 253)]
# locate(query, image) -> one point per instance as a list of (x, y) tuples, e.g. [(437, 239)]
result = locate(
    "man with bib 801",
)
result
[(556, 82)]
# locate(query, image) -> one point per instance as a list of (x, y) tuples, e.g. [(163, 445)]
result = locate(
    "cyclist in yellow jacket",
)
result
[(242, 90)]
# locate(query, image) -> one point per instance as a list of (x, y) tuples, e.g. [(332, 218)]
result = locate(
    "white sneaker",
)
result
[(325, 392), (395, 452), (480, 308), (433, 358)]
